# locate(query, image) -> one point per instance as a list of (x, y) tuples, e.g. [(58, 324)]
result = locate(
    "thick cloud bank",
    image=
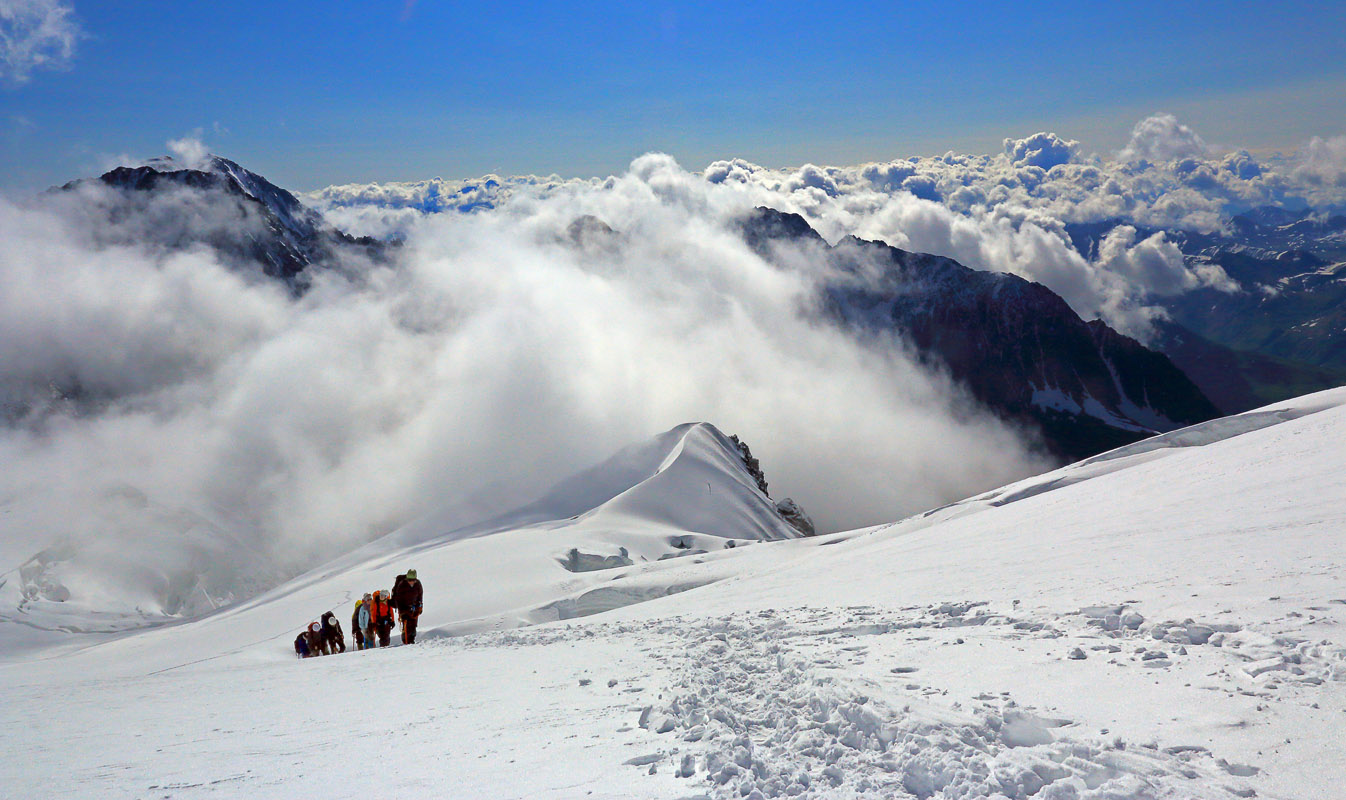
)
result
[(1005, 212), (169, 415)]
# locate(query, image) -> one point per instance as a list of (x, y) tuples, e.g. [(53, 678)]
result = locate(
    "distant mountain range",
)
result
[(1284, 333)]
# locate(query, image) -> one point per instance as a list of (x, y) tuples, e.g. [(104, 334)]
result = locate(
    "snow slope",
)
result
[(686, 492), (1162, 621)]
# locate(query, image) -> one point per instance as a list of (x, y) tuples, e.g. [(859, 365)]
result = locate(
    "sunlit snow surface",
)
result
[(1161, 621)]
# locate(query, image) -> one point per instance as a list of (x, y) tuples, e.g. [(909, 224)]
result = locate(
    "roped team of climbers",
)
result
[(372, 622)]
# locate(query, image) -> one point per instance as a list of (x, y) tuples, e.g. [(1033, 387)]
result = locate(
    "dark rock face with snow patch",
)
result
[(1017, 346), (750, 463), (245, 218), (789, 510), (793, 514)]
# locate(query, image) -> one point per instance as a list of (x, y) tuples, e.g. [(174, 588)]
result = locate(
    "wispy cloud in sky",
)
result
[(189, 150), (36, 34)]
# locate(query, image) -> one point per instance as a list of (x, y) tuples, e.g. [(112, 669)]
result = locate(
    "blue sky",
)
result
[(316, 93)]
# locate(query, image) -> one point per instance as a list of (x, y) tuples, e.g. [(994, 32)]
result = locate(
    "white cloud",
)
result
[(491, 357), (1154, 263), (35, 34), (1162, 138), (1044, 150), (190, 151), (389, 210), (1004, 211), (1323, 162)]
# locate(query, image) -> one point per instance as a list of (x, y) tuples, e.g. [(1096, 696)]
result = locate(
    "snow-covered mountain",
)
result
[(1016, 345), (1164, 620), (685, 494)]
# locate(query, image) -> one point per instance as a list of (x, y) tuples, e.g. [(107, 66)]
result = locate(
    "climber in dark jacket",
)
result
[(331, 633), (407, 598), (301, 645), (317, 645)]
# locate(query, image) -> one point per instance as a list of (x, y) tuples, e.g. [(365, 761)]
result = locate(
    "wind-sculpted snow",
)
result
[(1200, 435), (1216, 430)]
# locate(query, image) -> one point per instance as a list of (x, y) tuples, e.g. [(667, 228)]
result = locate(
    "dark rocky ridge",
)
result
[(1018, 347), (277, 232), (254, 228)]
